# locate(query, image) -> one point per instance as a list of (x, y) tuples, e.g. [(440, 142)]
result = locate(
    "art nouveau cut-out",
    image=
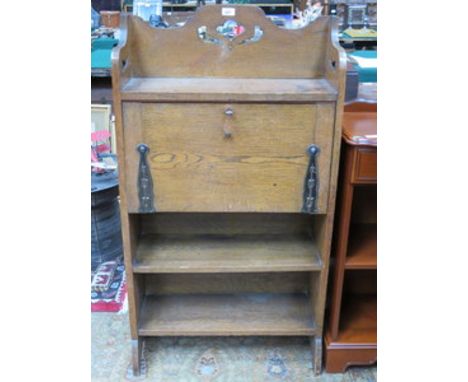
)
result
[(230, 30)]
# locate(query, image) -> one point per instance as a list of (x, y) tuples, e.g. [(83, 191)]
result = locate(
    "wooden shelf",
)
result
[(227, 314), (228, 89), (362, 249), (222, 253), (358, 324)]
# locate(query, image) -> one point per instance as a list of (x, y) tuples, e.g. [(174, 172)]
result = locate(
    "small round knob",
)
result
[(313, 150), (229, 112), (142, 148)]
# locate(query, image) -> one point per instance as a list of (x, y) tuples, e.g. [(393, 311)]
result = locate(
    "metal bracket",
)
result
[(311, 182), (145, 182)]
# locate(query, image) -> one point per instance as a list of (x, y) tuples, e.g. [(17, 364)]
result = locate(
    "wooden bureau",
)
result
[(228, 142)]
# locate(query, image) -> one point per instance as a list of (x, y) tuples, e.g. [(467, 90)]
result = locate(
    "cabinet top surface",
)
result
[(360, 128), (228, 89)]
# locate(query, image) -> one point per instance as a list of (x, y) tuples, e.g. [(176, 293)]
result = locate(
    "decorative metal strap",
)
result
[(145, 182), (311, 182)]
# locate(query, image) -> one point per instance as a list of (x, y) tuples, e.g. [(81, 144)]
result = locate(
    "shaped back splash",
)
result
[(234, 41)]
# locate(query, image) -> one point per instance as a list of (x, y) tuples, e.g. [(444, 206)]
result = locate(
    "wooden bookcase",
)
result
[(351, 335), (228, 152)]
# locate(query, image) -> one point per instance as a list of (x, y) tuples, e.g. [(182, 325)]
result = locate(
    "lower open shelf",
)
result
[(240, 314), (358, 323), (356, 343)]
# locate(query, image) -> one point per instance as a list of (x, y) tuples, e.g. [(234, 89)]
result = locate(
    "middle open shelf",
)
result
[(226, 253)]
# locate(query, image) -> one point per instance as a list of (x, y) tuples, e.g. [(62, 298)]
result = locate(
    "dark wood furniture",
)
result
[(228, 154), (351, 335)]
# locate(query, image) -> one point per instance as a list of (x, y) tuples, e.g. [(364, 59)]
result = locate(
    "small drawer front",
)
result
[(365, 165), (226, 157)]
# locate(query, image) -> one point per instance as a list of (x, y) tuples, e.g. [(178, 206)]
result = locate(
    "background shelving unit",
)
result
[(351, 336), (270, 8)]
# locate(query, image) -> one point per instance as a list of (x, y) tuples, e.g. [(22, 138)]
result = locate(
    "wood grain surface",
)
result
[(362, 247), (227, 283), (226, 253), (359, 124), (365, 168), (166, 223), (172, 92), (226, 314), (261, 167), (180, 53), (228, 90)]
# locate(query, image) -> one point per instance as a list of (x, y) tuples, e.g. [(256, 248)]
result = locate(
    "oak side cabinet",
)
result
[(228, 135), (351, 335)]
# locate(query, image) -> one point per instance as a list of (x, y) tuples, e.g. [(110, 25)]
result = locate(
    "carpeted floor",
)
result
[(217, 359)]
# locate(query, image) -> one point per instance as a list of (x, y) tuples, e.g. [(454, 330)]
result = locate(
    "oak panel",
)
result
[(226, 253), (167, 223), (255, 170), (227, 314), (229, 89), (227, 283), (178, 52)]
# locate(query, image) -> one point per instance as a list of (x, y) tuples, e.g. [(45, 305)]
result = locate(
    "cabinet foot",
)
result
[(339, 356), (316, 344), (137, 368)]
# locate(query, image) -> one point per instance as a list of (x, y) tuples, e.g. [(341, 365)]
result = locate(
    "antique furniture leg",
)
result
[(316, 344), (137, 357)]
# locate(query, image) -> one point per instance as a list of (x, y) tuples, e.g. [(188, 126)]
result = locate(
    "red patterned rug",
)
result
[(109, 287)]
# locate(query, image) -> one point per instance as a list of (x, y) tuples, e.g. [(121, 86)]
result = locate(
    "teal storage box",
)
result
[(101, 49), (365, 62)]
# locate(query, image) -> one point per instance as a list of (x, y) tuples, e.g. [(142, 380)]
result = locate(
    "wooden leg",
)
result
[(316, 343), (138, 365)]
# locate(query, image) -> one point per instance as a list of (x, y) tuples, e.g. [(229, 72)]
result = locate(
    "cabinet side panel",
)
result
[(130, 225), (335, 64)]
